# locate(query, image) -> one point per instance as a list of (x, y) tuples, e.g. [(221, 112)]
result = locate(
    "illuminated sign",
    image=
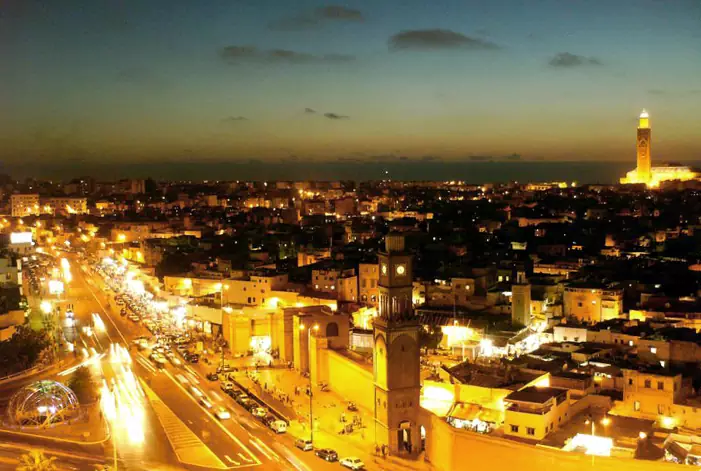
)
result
[(21, 238)]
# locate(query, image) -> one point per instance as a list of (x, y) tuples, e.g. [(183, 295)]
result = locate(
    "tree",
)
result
[(82, 385), (36, 460), (430, 337)]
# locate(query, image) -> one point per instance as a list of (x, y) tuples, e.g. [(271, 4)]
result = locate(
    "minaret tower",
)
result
[(396, 353), (643, 148)]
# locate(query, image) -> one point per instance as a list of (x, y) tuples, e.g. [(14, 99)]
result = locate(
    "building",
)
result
[(65, 205), (592, 302), (25, 205), (534, 412), (651, 394), (367, 281), (396, 354), (645, 172)]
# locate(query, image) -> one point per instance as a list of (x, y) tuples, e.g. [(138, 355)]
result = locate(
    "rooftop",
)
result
[(535, 395)]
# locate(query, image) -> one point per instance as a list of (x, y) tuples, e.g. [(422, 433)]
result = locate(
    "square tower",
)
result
[(396, 353), (643, 148)]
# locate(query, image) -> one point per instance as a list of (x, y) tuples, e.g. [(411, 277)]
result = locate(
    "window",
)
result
[(501, 278), (579, 304), (660, 385), (648, 383), (660, 409), (514, 429), (636, 406), (653, 350), (630, 381), (530, 430)]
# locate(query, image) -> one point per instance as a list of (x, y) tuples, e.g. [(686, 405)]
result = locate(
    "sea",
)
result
[(477, 172)]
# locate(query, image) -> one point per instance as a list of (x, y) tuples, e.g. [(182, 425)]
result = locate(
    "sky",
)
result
[(294, 80)]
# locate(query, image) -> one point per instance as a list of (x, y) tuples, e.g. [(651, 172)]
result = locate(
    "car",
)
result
[(134, 318), (327, 454), (174, 360), (123, 312), (196, 392), (212, 376), (304, 444), (222, 413), (352, 463), (259, 412), (278, 426), (243, 400), (235, 393), (268, 419), (195, 358), (226, 386)]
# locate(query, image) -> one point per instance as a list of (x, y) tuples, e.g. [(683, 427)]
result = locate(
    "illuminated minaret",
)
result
[(643, 148)]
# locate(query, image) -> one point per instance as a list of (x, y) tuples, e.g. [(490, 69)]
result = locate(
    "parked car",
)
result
[(327, 454), (304, 444), (226, 386), (212, 376), (352, 463), (194, 358), (268, 419), (278, 426), (259, 412)]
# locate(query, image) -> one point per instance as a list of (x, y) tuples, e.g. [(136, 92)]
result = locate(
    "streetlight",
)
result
[(606, 421), (315, 328)]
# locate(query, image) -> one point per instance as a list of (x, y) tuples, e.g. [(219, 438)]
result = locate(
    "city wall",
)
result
[(450, 449), (352, 381)]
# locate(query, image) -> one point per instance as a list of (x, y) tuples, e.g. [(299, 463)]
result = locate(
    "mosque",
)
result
[(645, 172)]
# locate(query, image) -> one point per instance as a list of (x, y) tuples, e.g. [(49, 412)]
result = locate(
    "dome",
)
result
[(42, 403)]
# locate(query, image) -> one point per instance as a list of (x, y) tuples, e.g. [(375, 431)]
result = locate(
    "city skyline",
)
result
[(232, 81)]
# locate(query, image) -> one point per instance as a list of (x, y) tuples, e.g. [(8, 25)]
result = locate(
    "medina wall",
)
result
[(349, 379), (450, 449)]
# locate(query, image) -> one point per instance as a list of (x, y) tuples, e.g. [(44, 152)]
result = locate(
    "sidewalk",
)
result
[(328, 408)]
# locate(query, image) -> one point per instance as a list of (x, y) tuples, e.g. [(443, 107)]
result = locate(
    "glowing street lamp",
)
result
[(46, 307)]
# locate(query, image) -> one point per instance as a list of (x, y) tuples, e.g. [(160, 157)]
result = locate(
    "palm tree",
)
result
[(35, 460)]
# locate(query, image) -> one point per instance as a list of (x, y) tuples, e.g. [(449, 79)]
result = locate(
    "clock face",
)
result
[(400, 270), (384, 268)]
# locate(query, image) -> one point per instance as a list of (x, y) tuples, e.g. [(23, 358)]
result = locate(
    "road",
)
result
[(239, 443)]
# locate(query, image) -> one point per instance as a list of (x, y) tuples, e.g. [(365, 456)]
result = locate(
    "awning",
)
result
[(676, 450), (463, 411)]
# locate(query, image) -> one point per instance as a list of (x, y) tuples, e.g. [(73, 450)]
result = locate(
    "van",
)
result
[(278, 426), (304, 444)]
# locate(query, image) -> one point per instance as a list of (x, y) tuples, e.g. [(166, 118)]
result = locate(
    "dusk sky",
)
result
[(269, 79)]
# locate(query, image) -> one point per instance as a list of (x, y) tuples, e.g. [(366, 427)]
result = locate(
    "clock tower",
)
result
[(396, 353)]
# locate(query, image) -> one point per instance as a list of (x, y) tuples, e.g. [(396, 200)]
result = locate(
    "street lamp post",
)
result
[(315, 328)]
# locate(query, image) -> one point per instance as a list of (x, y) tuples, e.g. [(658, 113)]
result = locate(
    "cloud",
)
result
[(431, 39), (234, 119), (430, 158), (335, 116), (513, 157), (318, 18), (568, 60), (338, 13), (403, 158), (309, 111), (350, 159), (481, 158), (250, 54)]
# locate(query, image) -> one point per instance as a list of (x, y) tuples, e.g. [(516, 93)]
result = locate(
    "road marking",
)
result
[(260, 449), (146, 364), (234, 462), (216, 395), (266, 447), (218, 422)]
